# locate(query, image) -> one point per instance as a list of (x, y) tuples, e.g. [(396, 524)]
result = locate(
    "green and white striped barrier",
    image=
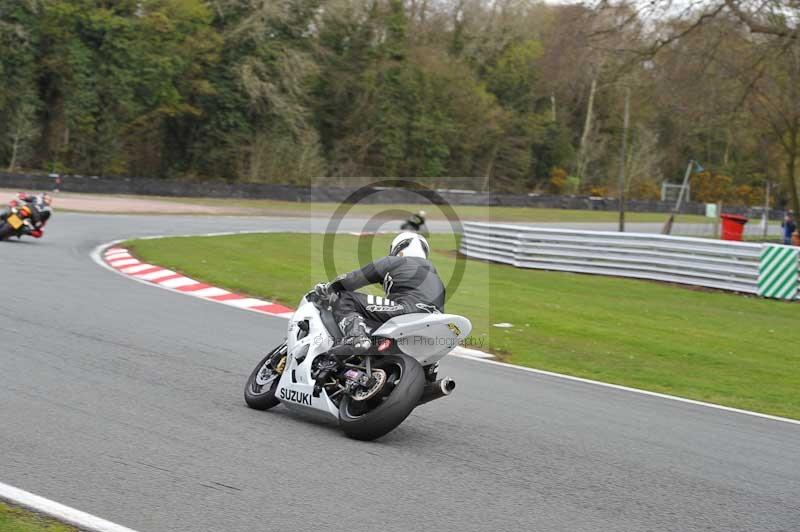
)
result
[(778, 272)]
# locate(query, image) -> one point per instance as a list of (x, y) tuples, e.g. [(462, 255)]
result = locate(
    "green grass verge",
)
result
[(14, 519), (711, 346)]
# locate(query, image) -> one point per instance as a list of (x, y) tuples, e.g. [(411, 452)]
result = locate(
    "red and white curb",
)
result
[(122, 261), (115, 258), (60, 512)]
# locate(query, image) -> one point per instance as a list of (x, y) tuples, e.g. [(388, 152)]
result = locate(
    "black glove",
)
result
[(323, 291)]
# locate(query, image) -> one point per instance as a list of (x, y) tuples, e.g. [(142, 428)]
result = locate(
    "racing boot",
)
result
[(355, 341), (356, 336)]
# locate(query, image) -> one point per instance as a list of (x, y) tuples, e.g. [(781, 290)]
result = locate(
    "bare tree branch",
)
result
[(758, 27)]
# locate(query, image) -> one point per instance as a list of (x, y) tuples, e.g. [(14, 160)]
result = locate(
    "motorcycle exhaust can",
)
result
[(435, 390)]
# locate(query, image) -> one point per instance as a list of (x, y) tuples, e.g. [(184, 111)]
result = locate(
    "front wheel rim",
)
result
[(266, 376)]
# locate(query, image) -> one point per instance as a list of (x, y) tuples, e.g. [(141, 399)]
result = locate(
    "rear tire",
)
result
[(394, 409), (262, 397)]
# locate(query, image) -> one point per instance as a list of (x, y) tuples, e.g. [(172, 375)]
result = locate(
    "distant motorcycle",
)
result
[(370, 394), (415, 223), (26, 215), (18, 222)]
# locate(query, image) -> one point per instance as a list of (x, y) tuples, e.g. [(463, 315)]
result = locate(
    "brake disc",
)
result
[(267, 374), (380, 379)]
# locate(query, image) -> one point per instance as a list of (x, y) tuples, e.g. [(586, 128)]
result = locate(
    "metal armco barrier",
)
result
[(694, 261)]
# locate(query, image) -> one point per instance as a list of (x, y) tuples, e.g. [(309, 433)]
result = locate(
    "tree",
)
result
[(19, 104), (768, 36), (272, 66), (113, 73), (386, 106), (507, 93)]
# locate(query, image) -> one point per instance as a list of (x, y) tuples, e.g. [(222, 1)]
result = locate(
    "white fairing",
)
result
[(425, 337), (296, 386)]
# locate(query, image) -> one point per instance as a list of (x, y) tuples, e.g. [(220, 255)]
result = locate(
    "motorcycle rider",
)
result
[(410, 283), (415, 223), (39, 207)]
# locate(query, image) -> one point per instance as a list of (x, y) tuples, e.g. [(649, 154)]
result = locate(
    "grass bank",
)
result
[(14, 519), (722, 348)]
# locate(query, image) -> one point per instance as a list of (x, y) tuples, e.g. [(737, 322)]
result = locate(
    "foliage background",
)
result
[(516, 94)]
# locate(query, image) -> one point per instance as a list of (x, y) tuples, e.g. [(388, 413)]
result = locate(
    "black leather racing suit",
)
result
[(40, 213), (410, 284)]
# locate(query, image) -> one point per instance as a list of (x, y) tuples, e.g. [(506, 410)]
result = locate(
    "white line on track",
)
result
[(466, 353), (58, 511), (633, 390)]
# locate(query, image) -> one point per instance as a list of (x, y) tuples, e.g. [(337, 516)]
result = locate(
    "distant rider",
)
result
[(39, 207), (410, 283), (415, 223)]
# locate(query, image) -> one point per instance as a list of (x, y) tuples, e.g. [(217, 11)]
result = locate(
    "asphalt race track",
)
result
[(125, 401)]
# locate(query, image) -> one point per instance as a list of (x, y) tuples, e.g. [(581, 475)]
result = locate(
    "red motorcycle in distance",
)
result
[(26, 216)]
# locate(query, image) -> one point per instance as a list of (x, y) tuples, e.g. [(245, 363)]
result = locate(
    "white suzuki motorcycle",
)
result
[(370, 394)]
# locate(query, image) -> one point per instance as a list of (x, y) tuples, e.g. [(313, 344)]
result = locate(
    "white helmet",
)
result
[(409, 244)]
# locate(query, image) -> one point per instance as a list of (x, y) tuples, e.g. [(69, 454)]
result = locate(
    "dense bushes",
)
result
[(514, 96)]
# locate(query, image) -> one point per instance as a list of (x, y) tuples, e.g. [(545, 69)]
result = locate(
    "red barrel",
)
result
[(733, 226)]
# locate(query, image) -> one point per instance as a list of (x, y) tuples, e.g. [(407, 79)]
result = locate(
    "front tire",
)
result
[(259, 391), (385, 412), (6, 231)]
